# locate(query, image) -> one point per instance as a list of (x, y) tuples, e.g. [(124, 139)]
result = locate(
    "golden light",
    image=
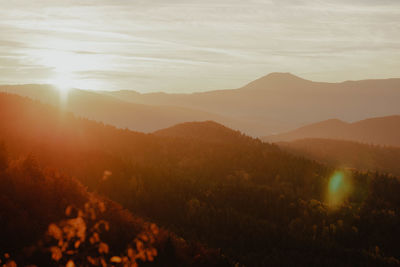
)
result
[(339, 188), (63, 83), (70, 69)]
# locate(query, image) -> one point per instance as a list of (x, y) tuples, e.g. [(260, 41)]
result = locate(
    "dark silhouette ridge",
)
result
[(380, 131), (208, 131)]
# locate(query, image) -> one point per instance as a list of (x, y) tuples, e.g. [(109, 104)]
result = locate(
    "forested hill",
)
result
[(50, 219), (207, 131), (378, 131), (349, 154), (260, 205)]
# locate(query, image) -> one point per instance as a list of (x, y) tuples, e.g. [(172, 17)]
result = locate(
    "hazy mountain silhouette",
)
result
[(277, 80), (111, 110), (347, 154), (382, 131), (281, 102), (275, 103)]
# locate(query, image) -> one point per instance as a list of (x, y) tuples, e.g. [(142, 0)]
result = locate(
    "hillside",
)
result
[(50, 219), (380, 131), (280, 102), (347, 154), (256, 203), (207, 131)]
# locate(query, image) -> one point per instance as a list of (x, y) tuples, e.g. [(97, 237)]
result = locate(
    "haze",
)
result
[(186, 46), (208, 134)]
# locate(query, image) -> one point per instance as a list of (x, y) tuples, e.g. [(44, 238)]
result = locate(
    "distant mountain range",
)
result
[(380, 131), (275, 103), (281, 102), (117, 112)]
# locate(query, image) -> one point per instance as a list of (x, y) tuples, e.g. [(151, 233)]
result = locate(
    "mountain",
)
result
[(280, 102), (380, 131), (208, 131), (277, 80), (111, 110), (258, 204), (347, 154), (275, 103)]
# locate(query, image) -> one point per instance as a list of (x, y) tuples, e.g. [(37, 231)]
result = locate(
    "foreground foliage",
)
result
[(48, 219)]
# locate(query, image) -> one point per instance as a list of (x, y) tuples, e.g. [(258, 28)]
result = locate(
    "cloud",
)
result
[(192, 45)]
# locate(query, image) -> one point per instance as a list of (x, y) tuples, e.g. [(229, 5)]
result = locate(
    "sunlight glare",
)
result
[(63, 83)]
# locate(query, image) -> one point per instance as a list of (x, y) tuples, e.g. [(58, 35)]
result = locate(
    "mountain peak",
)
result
[(276, 80), (202, 130), (281, 75)]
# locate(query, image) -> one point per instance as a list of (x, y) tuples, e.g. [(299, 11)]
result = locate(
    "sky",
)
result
[(186, 46)]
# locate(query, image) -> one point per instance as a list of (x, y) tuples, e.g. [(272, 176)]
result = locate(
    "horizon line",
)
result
[(206, 91)]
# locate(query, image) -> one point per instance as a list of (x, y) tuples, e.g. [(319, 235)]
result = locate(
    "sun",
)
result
[(63, 82), (71, 69)]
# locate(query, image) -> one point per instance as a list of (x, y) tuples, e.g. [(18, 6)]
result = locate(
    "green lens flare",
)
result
[(339, 188), (336, 182)]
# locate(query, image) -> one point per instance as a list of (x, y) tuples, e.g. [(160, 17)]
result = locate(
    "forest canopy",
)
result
[(256, 203)]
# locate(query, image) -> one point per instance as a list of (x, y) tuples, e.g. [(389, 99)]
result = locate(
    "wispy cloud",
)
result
[(192, 45)]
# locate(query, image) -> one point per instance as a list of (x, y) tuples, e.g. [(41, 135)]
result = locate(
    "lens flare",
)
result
[(339, 189), (335, 182)]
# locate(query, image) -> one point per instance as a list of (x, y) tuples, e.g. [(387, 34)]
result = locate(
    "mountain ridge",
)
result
[(347, 154), (275, 103), (280, 102), (113, 110), (272, 76), (278, 79), (378, 130), (208, 131)]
